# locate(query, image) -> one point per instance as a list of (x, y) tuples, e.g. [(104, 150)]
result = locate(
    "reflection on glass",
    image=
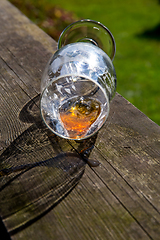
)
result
[(79, 81)]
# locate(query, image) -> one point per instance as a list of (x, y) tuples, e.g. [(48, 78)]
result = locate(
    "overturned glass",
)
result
[(79, 81)]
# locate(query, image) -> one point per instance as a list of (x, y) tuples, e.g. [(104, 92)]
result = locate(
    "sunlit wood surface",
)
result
[(47, 191)]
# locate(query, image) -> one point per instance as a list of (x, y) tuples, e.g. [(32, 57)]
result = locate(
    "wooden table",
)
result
[(47, 191)]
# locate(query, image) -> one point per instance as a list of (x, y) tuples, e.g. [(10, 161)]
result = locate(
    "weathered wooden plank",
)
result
[(117, 200), (21, 55)]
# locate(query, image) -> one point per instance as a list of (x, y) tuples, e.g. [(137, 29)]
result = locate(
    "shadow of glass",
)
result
[(38, 170), (30, 112), (3, 231), (153, 33)]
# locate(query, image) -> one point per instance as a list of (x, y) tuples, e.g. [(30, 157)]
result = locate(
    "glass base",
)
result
[(70, 112)]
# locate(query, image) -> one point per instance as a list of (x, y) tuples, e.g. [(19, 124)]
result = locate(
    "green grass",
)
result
[(133, 24)]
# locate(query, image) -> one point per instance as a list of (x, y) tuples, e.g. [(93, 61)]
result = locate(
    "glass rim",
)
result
[(96, 23)]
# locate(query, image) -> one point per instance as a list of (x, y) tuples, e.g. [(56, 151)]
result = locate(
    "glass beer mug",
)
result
[(79, 81)]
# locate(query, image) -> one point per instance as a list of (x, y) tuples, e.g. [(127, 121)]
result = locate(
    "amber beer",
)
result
[(77, 115)]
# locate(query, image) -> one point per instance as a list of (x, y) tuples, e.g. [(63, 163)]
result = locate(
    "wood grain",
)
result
[(46, 195)]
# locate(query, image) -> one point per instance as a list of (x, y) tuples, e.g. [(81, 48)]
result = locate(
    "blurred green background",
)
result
[(135, 26)]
